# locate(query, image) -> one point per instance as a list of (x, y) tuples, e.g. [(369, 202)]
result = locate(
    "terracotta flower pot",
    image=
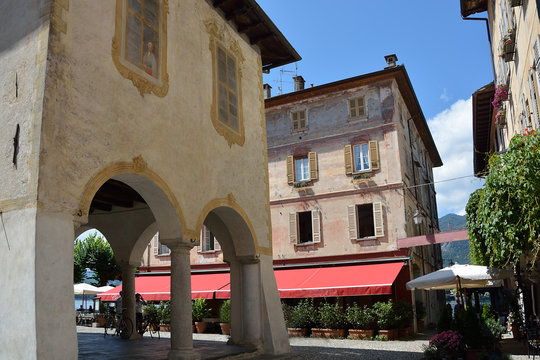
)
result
[(405, 332), (390, 334), (194, 328), (297, 332), (328, 333), (165, 327), (225, 328), (359, 334), (201, 326)]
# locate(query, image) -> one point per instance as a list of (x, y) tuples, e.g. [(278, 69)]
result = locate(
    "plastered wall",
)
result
[(94, 117), (329, 130)]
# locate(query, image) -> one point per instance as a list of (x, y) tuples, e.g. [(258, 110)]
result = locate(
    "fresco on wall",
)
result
[(142, 35)]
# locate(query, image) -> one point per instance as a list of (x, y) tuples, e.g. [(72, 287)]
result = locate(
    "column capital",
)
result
[(179, 244)]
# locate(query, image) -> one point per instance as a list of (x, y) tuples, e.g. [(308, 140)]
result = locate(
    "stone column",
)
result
[(128, 295), (251, 302), (50, 265), (181, 329)]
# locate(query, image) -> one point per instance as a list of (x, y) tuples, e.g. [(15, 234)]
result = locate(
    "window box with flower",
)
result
[(508, 45)]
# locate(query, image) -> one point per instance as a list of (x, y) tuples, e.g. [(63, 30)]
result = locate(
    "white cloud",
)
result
[(452, 132), (444, 96)]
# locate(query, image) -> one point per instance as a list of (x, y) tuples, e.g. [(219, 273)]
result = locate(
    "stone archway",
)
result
[(151, 207), (255, 303)]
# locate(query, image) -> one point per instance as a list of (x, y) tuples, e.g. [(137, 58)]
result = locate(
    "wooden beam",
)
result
[(258, 39), (99, 206)]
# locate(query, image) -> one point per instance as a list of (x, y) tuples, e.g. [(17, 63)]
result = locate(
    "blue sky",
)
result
[(446, 57)]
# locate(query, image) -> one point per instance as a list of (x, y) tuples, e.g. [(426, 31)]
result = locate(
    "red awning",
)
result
[(351, 280), (157, 288)]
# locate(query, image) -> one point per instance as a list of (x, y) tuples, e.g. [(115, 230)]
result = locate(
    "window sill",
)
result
[(357, 118), (164, 255), (300, 131), (368, 238), (209, 252), (310, 243)]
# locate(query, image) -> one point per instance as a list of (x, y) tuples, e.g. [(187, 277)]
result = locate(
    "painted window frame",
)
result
[(378, 221), (144, 82), (373, 157), (312, 168), (354, 106), (232, 49), (294, 232), (298, 120)]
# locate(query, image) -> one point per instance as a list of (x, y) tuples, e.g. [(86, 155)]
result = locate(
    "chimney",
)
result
[(298, 83), (391, 60), (267, 91)]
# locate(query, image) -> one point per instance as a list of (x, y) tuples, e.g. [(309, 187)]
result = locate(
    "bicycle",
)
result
[(151, 325), (122, 326)]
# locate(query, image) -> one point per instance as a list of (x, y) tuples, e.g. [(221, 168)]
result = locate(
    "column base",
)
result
[(185, 354)]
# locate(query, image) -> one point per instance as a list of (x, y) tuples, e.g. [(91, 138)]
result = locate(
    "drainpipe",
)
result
[(489, 40)]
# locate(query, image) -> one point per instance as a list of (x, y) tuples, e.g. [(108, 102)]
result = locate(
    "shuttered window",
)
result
[(316, 226), (298, 120), (533, 93), (302, 168), (293, 231), (227, 89), (361, 157), (536, 49), (208, 241), (305, 227), (365, 221), (357, 107), (159, 248)]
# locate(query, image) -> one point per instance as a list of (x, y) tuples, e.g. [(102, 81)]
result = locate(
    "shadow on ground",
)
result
[(97, 346)]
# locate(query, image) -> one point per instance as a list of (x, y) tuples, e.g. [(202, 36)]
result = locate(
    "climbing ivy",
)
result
[(503, 217)]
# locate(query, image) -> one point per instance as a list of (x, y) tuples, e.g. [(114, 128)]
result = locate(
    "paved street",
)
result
[(93, 345)]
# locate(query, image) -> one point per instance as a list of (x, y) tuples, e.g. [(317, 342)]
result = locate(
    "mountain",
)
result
[(456, 251)]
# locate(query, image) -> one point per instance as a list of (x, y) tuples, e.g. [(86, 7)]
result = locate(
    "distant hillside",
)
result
[(452, 222), (456, 251)]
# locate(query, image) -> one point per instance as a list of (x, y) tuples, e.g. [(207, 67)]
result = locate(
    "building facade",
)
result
[(511, 104), (103, 105), (350, 164)]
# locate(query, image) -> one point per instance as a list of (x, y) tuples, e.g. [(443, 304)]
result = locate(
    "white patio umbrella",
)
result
[(460, 276), (85, 289)]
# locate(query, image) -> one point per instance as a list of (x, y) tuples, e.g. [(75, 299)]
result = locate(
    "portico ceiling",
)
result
[(115, 193)]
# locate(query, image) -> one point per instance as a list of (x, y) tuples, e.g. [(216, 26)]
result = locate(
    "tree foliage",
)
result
[(95, 253), (503, 217)]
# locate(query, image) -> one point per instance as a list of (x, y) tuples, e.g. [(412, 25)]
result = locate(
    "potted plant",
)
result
[(386, 319), (200, 310), (361, 321), (151, 312), (300, 318), (331, 321), (225, 317), (404, 316), (445, 345), (164, 312)]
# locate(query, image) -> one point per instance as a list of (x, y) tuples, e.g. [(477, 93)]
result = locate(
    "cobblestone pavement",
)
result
[(93, 345)]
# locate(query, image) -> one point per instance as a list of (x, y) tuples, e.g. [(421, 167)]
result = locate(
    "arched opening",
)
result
[(129, 209)]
